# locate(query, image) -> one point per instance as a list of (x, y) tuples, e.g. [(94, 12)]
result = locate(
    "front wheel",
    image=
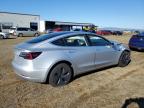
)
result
[(60, 75), (124, 59)]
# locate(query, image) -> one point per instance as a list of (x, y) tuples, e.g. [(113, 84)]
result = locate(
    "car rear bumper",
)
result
[(38, 75)]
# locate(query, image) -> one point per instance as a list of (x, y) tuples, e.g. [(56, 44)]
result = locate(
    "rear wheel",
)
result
[(60, 75), (36, 34), (124, 59), (20, 35)]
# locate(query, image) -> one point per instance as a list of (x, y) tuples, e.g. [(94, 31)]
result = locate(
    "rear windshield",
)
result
[(45, 37), (141, 34)]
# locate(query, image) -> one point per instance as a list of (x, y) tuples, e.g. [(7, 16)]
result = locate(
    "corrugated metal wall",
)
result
[(19, 20)]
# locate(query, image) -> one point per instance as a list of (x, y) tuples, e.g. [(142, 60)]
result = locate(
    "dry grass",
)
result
[(108, 88)]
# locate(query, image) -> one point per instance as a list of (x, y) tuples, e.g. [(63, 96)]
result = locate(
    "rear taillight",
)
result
[(29, 55), (14, 33)]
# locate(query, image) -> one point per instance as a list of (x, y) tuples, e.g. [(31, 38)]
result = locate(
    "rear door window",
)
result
[(75, 41), (59, 42), (71, 41)]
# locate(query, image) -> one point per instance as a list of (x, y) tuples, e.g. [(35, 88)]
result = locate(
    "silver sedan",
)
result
[(57, 57)]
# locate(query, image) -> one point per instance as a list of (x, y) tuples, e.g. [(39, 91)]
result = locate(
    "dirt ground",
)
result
[(114, 87)]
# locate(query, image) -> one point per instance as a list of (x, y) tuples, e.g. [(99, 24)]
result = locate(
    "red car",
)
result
[(57, 29), (104, 32)]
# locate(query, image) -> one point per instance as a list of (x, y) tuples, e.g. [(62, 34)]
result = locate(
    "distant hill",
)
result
[(120, 29)]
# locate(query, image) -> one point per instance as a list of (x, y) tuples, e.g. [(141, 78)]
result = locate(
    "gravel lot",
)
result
[(108, 88)]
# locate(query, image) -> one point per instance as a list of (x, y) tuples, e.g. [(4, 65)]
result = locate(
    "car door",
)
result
[(25, 31), (80, 53), (105, 53), (30, 32)]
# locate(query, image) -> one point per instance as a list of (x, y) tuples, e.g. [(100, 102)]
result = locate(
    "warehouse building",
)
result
[(8, 20), (65, 26)]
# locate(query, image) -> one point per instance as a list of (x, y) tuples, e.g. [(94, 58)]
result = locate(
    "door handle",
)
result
[(109, 46)]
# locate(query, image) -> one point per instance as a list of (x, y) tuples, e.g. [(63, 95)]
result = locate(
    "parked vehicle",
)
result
[(49, 31), (24, 31), (104, 32), (12, 30), (57, 29), (4, 35), (58, 57), (117, 33), (137, 41), (126, 32), (77, 29), (137, 31)]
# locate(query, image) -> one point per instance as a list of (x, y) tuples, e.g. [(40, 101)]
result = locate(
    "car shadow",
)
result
[(27, 36), (138, 101), (91, 72), (137, 50), (7, 38), (94, 71)]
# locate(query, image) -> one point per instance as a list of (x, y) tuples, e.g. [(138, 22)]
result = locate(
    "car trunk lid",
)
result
[(23, 47)]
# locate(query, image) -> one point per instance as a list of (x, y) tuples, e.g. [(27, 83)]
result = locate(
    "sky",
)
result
[(103, 13)]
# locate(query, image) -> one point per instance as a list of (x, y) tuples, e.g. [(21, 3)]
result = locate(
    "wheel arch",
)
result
[(62, 61), (124, 51), (20, 34), (2, 36), (119, 63)]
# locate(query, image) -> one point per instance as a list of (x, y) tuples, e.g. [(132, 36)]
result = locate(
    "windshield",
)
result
[(141, 34)]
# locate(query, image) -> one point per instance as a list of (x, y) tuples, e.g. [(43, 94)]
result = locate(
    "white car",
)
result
[(12, 30), (4, 35)]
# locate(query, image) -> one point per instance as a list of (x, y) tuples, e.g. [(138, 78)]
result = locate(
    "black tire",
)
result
[(20, 35), (1, 37), (60, 75), (132, 49), (36, 34), (124, 59)]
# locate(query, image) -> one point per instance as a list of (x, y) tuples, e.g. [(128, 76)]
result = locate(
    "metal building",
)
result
[(8, 20), (66, 26)]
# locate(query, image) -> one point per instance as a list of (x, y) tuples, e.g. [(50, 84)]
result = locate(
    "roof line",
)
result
[(18, 13), (72, 23), (66, 22)]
